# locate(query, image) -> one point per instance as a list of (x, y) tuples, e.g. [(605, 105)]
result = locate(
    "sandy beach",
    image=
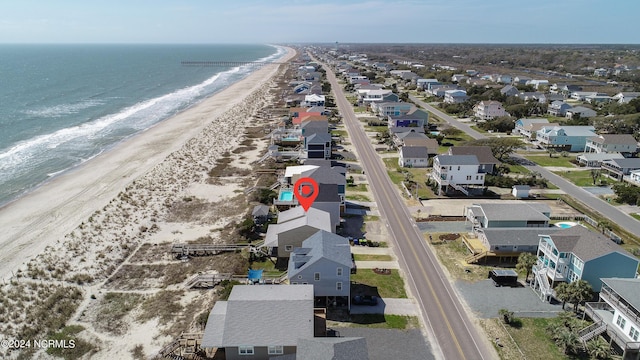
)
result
[(77, 230)]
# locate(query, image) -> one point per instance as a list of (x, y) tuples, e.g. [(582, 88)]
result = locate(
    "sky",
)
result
[(319, 21)]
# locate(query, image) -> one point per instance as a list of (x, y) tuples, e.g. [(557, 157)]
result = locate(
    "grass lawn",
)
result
[(518, 169), (635, 216), (359, 187), (545, 160), (342, 133), (389, 286), (420, 176), (582, 177), (372, 257), (266, 265), (357, 197), (380, 321), (368, 218)]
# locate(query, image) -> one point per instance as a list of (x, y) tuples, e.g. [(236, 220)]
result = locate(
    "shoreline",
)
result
[(44, 216)]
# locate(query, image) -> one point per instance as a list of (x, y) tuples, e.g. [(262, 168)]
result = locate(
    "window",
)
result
[(621, 322), (339, 286), (288, 247), (468, 177), (276, 350), (299, 276), (339, 271), (633, 333), (458, 167), (316, 276), (245, 350)]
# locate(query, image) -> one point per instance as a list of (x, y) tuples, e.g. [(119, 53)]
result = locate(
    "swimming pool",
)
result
[(286, 195), (566, 224)]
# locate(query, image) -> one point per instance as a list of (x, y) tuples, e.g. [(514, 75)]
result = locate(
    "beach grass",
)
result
[(583, 177)]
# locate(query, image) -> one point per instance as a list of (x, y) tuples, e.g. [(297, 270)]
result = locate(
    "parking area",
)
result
[(485, 300), (384, 344)]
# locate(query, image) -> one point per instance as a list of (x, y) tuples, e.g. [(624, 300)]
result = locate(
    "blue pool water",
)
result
[(565, 225), (286, 195)]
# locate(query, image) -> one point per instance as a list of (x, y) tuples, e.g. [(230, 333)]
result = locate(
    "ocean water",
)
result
[(61, 105)]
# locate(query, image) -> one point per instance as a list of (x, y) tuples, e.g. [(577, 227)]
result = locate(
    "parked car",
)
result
[(365, 300)]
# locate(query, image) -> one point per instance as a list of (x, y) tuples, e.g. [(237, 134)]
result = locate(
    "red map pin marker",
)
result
[(306, 191)]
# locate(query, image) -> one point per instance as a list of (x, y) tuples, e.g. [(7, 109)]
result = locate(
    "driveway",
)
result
[(485, 300)]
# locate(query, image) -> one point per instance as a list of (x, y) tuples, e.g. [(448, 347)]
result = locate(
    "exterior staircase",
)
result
[(459, 188), (541, 280), (592, 331), (475, 257)]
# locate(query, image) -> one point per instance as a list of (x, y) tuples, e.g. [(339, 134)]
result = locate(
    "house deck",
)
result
[(479, 252)]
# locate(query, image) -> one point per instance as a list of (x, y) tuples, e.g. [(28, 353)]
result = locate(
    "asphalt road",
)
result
[(606, 210), (454, 335)]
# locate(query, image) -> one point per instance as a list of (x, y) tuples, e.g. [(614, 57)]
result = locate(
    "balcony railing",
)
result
[(614, 333), (622, 306)]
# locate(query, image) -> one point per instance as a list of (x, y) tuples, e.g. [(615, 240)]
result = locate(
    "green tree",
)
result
[(595, 174), (506, 315), (501, 147), (451, 132), (568, 341), (563, 293), (598, 348), (581, 291), (525, 263)]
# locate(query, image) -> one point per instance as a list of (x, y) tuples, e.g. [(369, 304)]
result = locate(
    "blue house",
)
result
[(579, 254), (565, 138)]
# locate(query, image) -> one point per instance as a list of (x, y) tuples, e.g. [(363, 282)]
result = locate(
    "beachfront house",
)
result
[(326, 176), (293, 226), (313, 100), (577, 253), (565, 138), (324, 261), (612, 143), (620, 168), (318, 146), (617, 313), (260, 321), (489, 109), (413, 156), (508, 215), (488, 163), (456, 172)]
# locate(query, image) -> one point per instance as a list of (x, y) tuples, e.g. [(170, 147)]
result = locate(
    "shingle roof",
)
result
[(515, 211), (260, 210), (628, 289), (319, 138), (585, 244), (458, 160), (328, 193), (517, 236), (297, 218), (261, 315), (625, 139), (483, 153), (322, 245), (626, 162), (416, 152), (326, 175)]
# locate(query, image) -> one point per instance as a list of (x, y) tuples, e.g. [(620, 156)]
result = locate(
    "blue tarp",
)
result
[(255, 275)]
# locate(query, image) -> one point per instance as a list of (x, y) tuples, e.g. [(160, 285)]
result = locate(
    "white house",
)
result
[(413, 156), (487, 110), (457, 172), (610, 143)]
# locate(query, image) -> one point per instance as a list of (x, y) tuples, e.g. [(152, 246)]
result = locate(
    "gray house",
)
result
[(508, 215), (293, 226), (318, 146), (488, 162), (324, 260), (329, 201), (328, 175), (261, 321)]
